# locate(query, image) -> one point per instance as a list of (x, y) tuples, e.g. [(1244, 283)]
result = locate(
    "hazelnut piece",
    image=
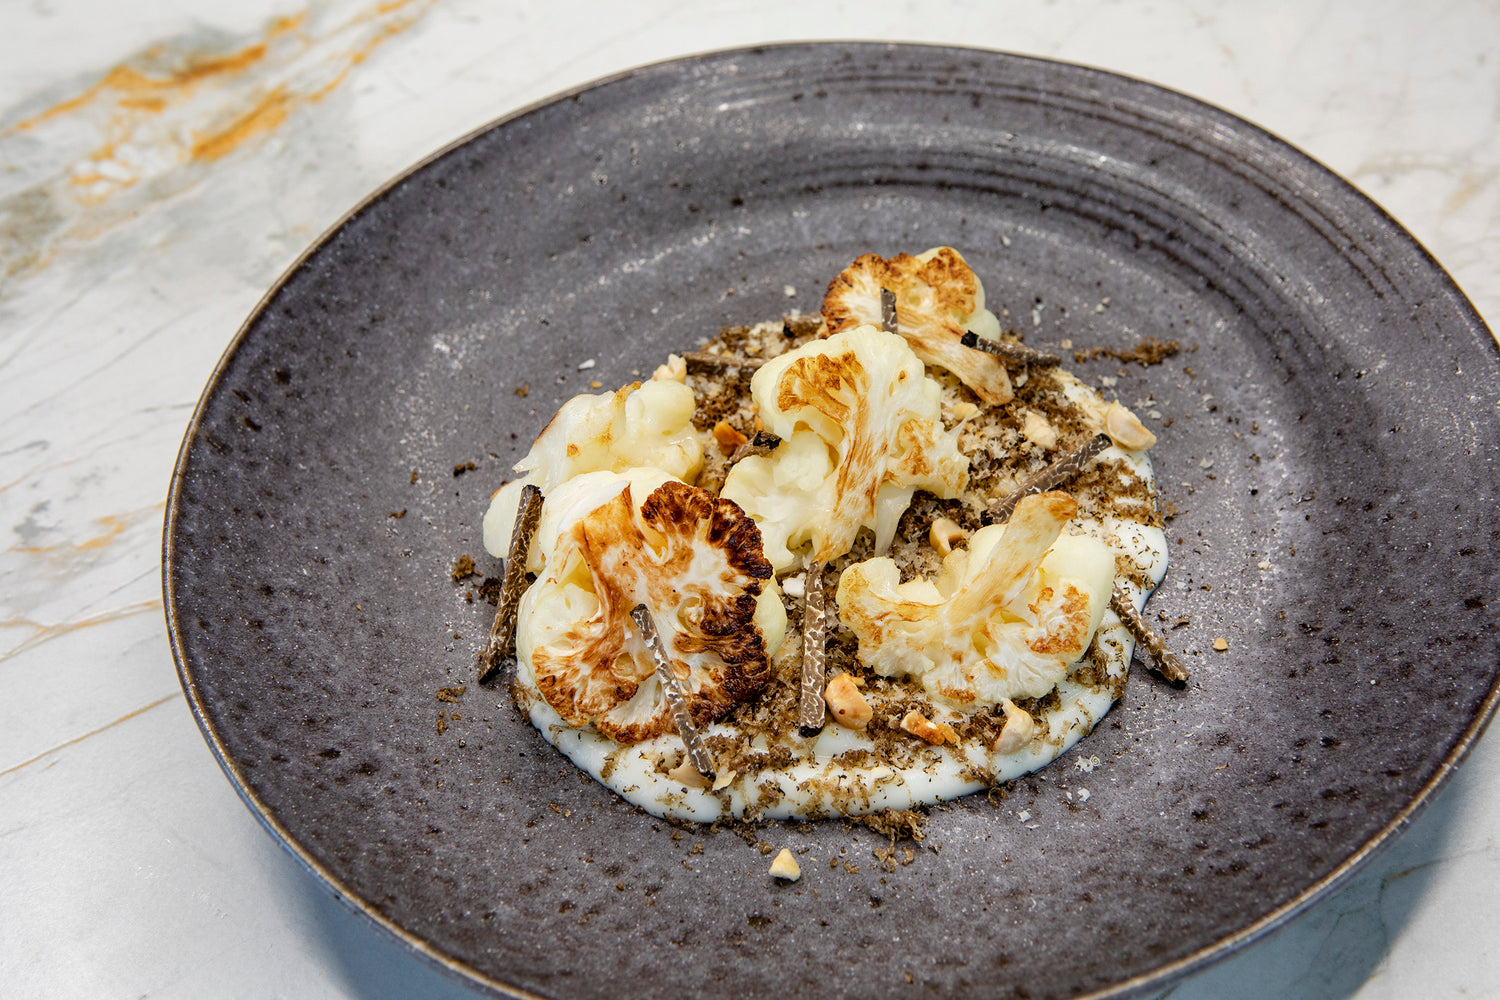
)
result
[(728, 437), (848, 706), (943, 534), (1039, 431), (936, 733), (686, 774), (1018, 730), (1126, 430), (675, 370), (785, 866)]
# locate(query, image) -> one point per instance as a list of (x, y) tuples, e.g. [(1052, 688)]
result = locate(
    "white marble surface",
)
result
[(162, 161)]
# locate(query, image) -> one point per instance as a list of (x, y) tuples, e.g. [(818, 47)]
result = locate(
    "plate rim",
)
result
[(1158, 977)]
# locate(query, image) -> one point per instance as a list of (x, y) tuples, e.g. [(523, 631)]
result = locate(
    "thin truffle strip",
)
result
[(1162, 658), (502, 644), (702, 361), (814, 654), (1006, 351), (763, 443), (1051, 477), (888, 311), (671, 686)]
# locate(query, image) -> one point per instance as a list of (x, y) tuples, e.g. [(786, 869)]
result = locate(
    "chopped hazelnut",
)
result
[(936, 733), (943, 534), (1018, 730), (1039, 431), (728, 437), (848, 706), (686, 774), (785, 866), (675, 370), (1126, 429)]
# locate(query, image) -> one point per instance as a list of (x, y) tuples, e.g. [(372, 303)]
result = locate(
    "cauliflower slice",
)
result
[(694, 560), (638, 425), (938, 299), (861, 430), (1002, 620)]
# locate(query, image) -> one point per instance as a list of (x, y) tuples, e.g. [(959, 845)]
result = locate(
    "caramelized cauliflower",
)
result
[(938, 299), (694, 560), (861, 430), (1002, 620), (638, 425)]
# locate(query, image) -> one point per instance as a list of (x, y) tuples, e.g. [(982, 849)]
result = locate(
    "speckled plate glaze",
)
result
[(1330, 458)]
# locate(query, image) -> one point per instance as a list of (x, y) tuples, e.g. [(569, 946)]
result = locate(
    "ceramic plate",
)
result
[(1327, 449)]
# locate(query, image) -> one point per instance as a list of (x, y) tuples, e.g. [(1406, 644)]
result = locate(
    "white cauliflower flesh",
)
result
[(613, 541), (1003, 620), (861, 430), (639, 425), (938, 300)]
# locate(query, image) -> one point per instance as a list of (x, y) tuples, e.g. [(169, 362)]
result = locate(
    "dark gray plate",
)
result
[(1341, 387)]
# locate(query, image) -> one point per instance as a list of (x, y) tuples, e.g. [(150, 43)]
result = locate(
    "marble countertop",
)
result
[(161, 163)]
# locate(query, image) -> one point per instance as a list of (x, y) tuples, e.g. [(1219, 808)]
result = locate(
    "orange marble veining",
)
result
[(149, 126), (113, 527), (46, 633), (264, 117), (137, 90), (1471, 183), (93, 732)]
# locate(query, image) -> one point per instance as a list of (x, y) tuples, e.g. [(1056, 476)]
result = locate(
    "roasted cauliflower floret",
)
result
[(1003, 619), (638, 425), (938, 299), (694, 560), (861, 430)]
